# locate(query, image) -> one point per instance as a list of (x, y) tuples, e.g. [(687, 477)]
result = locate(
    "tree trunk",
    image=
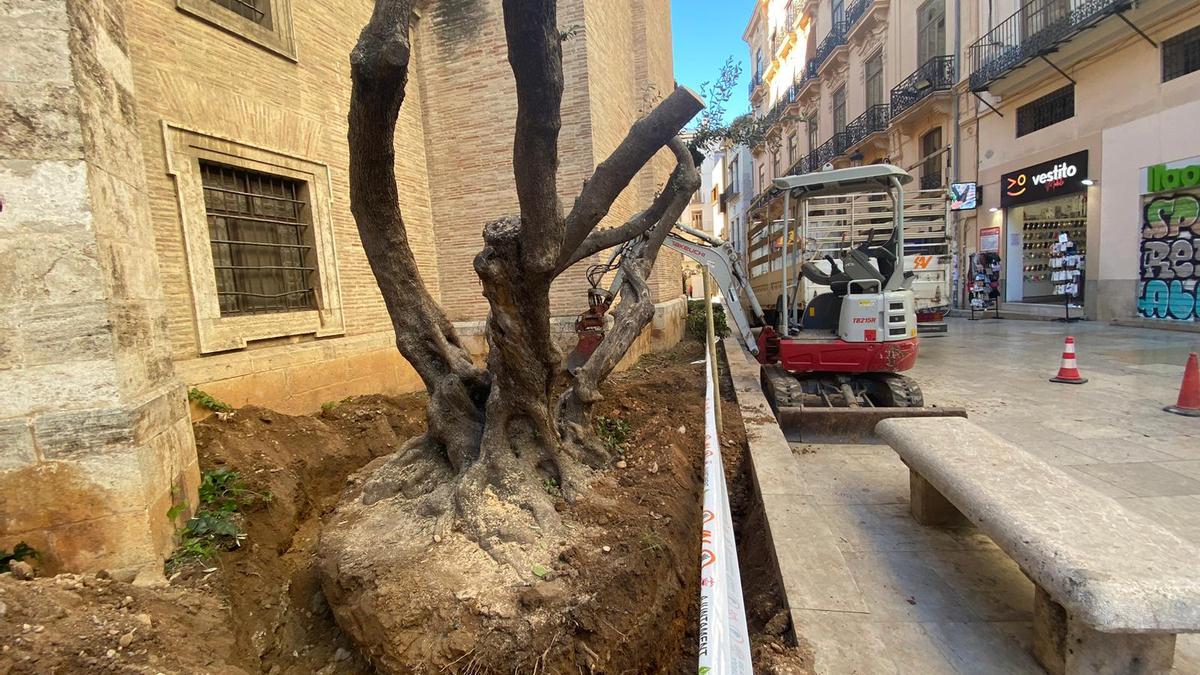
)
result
[(631, 316), (456, 387), (492, 433)]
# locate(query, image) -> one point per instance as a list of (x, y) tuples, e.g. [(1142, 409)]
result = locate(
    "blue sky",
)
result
[(706, 32)]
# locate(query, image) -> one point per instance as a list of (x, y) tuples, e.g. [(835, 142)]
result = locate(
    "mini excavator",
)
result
[(845, 348)]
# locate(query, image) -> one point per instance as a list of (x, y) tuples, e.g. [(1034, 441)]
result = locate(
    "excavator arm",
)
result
[(711, 252), (726, 269)]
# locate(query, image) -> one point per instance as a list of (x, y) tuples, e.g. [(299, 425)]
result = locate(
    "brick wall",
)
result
[(453, 149)]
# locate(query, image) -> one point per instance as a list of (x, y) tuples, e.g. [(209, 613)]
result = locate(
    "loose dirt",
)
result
[(260, 609)]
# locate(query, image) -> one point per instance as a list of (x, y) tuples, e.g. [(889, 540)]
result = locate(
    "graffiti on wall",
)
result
[(1168, 276)]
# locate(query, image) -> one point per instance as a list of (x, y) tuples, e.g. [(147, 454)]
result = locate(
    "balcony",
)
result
[(856, 11), (873, 121), (831, 149), (755, 83), (936, 75), (1038, 28), (836, 38)]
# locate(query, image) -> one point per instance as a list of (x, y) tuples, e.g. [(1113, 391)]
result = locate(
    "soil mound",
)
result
[(611, 592)]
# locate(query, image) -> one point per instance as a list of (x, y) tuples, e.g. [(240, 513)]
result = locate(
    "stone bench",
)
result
[(1112, 587)]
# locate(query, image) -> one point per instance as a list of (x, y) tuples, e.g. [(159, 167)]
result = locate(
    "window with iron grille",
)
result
[(1181, 54), (257, 11), (1050, 109), (266, 23), (259, 232)]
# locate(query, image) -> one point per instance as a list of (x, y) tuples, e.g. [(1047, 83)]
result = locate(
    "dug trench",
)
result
[(623, 599)]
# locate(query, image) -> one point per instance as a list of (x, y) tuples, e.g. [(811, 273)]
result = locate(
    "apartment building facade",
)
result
[(1089, 154), (175, 213), (843, 84), (1068, 117), (737, 170)]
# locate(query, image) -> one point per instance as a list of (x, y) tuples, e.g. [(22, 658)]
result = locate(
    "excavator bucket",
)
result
[(589, 328)]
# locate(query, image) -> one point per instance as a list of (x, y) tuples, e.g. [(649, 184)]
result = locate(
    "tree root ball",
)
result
[(418, 595)]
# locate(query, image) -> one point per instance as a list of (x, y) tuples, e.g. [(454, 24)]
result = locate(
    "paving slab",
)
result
[(970, 604)]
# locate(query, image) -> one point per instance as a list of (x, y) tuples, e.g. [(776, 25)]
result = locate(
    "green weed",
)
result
[(330, 406), (216, 524), (204, 400), (652, 542), (614, 432), (697, 323)]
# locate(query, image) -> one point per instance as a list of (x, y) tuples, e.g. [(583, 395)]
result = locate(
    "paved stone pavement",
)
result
[(900, 598)]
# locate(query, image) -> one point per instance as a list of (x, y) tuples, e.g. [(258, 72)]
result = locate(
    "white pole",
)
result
[(710, 338), (783, 305)]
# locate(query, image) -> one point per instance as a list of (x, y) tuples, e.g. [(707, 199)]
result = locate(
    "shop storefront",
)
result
[(1169, 253), (1045, 232)]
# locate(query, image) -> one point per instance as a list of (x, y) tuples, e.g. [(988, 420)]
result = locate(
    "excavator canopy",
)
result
[(829, 182)]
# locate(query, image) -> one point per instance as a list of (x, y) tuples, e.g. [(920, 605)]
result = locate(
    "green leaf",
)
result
[(539, 571)]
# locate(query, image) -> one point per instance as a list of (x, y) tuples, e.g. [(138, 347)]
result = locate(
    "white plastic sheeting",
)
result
[(724, 640)]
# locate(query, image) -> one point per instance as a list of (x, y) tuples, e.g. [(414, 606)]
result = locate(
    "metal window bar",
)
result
[(1050, 109), (259, 234), (250, 9), (1181, 54)]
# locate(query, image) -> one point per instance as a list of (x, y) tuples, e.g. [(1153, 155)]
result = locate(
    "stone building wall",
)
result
[(108, 303), (454, 149), (95, 441)]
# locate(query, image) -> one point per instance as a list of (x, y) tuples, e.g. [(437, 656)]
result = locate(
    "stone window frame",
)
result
[(185, 148), (279, 38)]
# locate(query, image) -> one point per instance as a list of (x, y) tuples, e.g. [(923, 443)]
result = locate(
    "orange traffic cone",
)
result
[(1189, 391), (1068, 372)]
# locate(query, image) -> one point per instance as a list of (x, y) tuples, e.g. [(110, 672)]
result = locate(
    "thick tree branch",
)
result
[(636, 308), (688, 183), (379, 73), (600, 240), (644, 139), (535, 54)]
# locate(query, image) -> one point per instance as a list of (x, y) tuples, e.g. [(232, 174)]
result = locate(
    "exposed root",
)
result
[(416, 469)]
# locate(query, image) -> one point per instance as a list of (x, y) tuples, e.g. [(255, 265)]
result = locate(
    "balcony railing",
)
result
[(856, 11), (1034, 30), (835, 39), (874, 120), (832, 148), (937, 74), (755, 82)]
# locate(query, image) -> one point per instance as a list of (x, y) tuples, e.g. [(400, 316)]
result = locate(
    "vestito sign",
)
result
[(1042, 181)]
